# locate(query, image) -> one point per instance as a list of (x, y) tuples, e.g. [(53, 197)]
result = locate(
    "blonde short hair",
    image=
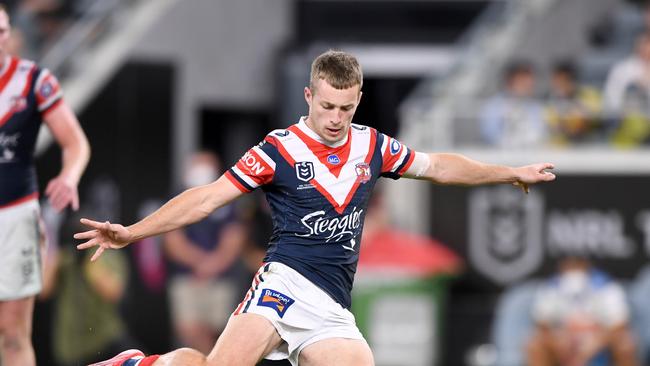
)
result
[(340, 69)]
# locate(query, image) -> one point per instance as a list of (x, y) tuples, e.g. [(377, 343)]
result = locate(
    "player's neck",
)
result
[(305, 125), (5, 60)]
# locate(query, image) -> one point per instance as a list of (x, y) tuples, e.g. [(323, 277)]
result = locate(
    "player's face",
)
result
[(331, 110), (5, 30)]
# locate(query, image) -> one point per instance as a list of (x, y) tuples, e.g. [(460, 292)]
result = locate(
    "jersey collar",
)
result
[(313, 135)]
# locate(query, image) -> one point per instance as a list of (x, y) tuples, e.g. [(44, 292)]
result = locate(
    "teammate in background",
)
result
[(317, 175), (28, 96)]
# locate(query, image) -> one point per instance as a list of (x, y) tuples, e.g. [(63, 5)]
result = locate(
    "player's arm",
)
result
[(187, 208), (62, 122), (446, 168)]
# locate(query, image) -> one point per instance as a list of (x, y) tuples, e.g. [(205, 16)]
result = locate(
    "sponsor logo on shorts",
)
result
[(276, 301)]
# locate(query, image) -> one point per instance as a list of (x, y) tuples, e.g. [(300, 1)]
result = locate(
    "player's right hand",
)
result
[(104, 236)]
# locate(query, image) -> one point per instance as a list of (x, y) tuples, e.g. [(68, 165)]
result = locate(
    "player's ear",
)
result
[(308, 95)]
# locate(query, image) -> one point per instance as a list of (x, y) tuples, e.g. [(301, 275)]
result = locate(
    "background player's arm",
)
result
[(62, 190), (446, 168), (187, 208)]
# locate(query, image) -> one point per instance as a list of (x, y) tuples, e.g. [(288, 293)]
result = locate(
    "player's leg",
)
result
[(623, 347), (245, 341), (540, 350), (133, 357), (20, 279), (16, 332), (337, 351)]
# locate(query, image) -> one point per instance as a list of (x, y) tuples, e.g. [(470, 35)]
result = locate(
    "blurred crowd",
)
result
[(37, 24), (569, 111)]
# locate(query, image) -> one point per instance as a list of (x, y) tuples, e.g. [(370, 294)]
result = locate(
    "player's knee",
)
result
[(187, 357), (14, 342), (535, 345)]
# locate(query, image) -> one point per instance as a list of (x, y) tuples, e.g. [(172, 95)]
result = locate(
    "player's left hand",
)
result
[(531, 174), (61, 192)]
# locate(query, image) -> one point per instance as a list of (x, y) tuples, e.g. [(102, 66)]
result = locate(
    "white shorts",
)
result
[(300, 311), (21, 236)]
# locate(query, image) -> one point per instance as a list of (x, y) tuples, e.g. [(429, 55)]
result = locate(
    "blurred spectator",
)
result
[(582, 318), (572, 111), (627, 95), (204, 282), (514, 118), (633, 71), (86, 321), (257, 214)]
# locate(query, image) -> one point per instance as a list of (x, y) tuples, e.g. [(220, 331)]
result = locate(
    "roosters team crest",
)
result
[(18, 103), (363, 172)]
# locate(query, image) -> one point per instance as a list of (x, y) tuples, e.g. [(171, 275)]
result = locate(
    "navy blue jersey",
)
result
[(318, 196), (27, 93)]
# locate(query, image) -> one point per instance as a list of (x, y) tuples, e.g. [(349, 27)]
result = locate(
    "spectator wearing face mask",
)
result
[(205, 265), (582, 318)]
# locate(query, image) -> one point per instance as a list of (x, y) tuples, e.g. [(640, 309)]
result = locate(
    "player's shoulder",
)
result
[(361, 129), (281, 135), (23, 65)]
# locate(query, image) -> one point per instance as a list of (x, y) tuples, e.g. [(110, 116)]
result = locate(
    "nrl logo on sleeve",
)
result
[(305, 170), (276, 301)]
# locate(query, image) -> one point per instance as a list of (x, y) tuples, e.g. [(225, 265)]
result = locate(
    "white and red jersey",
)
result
[(27, 94), (318, 195)]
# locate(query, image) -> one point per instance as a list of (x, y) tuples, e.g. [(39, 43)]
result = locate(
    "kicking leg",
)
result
[(245, 341), (337, 351)]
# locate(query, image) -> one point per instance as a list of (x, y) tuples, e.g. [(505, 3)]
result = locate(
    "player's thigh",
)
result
[(16, 316), (337, 351), (246, 340)]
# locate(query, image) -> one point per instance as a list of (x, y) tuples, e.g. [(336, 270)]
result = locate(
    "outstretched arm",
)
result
[(446, 168), (187, 208)]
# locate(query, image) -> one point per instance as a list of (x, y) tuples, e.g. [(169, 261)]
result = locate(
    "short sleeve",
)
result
[(396, 157), (255, 168), (48, 91)]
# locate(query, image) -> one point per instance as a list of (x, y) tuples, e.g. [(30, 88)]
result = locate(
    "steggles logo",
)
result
[(335, 228)]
